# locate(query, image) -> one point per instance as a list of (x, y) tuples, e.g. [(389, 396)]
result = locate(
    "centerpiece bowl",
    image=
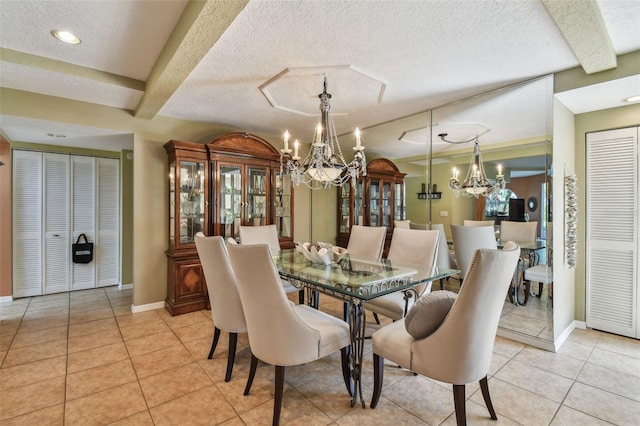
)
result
[(320, 252)]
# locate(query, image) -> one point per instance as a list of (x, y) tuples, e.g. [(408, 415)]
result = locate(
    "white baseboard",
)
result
[(148, 307), (5, 299), (565, 334), (581, 325), (125, 286)]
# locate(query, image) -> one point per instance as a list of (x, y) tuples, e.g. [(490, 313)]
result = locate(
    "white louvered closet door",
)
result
[(27, 223), (57, 244), (83, 217), (108, 222), (612, 231)]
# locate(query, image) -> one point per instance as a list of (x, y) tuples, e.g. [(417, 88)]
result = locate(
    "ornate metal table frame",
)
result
[(361, 280)]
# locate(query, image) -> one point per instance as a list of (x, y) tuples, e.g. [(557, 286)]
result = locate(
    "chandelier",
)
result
[(475, 183), (324, 165)]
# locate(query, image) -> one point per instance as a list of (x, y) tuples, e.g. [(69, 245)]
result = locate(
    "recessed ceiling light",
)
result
[(65, 36), (56, 135), (633, 99)]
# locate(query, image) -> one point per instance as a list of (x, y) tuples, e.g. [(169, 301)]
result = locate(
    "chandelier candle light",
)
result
[(324, 165), (475, 182)]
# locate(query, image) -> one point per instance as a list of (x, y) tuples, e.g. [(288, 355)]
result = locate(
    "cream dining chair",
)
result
[(445, 259), (366, 242), (409, 247), (281, 334), (226, 308), (459, 349), (468, 222), (268, 234), (466, 240), (520, 232)]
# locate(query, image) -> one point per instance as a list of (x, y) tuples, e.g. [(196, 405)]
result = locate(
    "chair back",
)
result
[(467, 222), (226, 307), (467, 239), (263, 234), (423, 226), (366, 242), (401, 224), (415, 247), (520, 232), (444, 258), (460, 350), (276, 334)]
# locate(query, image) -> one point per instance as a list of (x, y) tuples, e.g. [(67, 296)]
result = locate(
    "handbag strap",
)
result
[(82, 236)]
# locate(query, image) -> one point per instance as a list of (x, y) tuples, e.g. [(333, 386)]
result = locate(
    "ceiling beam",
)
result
[(199, 28), (582, 25)]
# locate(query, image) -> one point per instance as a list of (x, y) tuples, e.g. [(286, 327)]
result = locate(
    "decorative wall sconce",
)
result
[(571, 219)]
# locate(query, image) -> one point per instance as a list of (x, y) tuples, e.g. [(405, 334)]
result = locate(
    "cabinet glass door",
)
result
[(192, 194), (345, 192), (358, 205), (283, 206), (257, 200), (230, 201), (374, 203), (398, 205), (172, 203), (386, 204)]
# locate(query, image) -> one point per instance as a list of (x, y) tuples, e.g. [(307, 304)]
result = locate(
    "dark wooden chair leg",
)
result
[(459, 403), (346, 373), (540, 289), (378, 377), (233, 342), (484, 386), (527, 291), (277, 403), (252, 374), (216, 336)]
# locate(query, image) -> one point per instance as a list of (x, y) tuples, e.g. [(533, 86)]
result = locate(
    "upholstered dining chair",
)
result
[(520, 232), (445, 259), (410, 247), (281, 334), (457, 347), (226, 308), (366, 242), (468, 222), (401, 224), (466, 240), (268, 234)]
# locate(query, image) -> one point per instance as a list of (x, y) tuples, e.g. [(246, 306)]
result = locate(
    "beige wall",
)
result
[(126, 217), (5, 219), (589, 122), (564, 164)]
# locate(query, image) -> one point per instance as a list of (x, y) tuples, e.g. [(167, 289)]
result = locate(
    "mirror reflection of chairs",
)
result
[(522, 233)]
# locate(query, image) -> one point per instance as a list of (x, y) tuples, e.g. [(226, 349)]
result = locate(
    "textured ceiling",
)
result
[(259, 67)]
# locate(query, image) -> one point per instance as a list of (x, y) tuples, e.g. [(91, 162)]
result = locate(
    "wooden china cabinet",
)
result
[(247, 187), (377, 200), (214, 188), (188, 214)]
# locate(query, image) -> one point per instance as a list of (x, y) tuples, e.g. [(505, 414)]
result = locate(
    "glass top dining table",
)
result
[(355, 281)]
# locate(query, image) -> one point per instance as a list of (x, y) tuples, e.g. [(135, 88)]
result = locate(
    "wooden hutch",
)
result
[(377, 200), (214, 188)]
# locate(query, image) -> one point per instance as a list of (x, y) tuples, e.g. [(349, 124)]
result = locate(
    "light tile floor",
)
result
[(83, 358)]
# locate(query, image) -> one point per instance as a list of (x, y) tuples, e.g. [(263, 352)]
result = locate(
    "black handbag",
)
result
[(82, 252)]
